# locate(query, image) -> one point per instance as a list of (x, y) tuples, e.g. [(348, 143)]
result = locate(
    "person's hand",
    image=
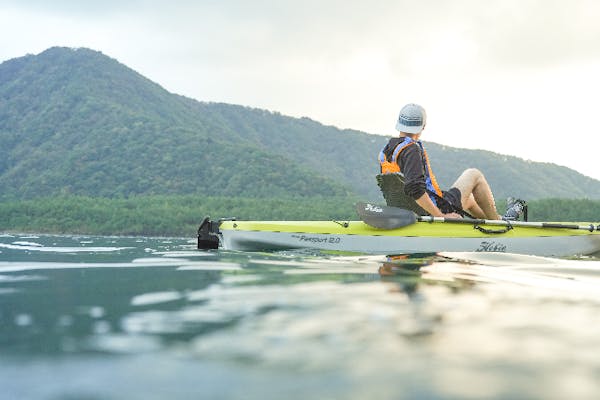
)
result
[(452, 215)]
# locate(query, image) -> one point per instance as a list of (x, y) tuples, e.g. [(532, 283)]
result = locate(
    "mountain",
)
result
[(74, 121)]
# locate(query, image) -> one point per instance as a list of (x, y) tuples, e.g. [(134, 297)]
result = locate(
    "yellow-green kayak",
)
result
[(419, 237)]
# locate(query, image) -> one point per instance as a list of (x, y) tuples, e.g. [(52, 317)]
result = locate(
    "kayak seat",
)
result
[(392, 188)]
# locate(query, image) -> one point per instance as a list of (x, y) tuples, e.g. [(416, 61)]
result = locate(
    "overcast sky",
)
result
[(518, 77)]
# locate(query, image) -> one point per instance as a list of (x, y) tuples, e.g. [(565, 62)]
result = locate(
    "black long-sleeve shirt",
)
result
[(412, 165)]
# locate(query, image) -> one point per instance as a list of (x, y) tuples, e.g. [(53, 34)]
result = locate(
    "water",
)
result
[(147, 318)]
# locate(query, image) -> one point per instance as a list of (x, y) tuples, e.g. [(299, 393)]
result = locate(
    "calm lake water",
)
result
[(147, 318)]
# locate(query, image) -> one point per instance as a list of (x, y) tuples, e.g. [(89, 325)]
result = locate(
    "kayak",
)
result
[(418, 237)]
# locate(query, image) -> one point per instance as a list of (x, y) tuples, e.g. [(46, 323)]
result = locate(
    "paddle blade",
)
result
[(384, 217)]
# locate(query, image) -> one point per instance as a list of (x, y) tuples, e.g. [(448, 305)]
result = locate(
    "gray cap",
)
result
[(412, 119)]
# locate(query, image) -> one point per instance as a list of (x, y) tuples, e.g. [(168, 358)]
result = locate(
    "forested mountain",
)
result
[(74, 121)]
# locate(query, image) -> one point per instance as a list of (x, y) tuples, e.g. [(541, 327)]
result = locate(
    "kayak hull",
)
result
[(356, 236)]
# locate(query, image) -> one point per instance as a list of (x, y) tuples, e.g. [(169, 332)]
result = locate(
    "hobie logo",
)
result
[(373, 208), (491, 247)]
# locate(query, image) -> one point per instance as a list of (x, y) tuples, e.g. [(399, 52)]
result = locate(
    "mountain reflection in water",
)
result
[(153, 318)]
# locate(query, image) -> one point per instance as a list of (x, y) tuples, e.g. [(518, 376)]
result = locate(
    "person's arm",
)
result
[(426, 204), (411, 165)]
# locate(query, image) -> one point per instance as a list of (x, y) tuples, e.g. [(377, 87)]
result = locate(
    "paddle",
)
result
[(385, 217)]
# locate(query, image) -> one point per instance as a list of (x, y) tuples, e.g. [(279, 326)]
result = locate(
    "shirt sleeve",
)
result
[(411, 165)]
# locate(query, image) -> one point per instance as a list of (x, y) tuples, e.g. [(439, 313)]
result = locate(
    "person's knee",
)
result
[(473, 172), (468, 181), (474, 175)]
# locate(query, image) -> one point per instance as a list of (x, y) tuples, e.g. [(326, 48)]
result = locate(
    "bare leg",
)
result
[(472, 207), (476, 195)]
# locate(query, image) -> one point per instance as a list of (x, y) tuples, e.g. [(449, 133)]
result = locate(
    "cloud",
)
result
[(537, 33), (88, 9), (414, 37)]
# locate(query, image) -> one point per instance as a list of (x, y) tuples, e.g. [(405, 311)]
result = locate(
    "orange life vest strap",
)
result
[(434, 182), (390, 167)]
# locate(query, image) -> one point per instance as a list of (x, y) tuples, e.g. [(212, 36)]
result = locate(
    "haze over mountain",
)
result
[(74, 121)]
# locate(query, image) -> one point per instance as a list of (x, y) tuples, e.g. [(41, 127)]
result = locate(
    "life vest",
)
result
[(392, 166)]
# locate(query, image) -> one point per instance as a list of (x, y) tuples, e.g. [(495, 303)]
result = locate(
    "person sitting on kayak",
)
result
[(470, 193)]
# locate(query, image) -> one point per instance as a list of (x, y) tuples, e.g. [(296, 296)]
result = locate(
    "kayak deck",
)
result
[(420, 237)]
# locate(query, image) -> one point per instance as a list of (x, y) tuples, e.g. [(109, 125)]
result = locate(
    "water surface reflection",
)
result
[(158, 319)]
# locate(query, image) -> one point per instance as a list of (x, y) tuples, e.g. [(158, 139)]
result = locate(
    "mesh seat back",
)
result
[(392, 188)]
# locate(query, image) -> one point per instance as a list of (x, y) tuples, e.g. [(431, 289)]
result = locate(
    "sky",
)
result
[(517, 77)]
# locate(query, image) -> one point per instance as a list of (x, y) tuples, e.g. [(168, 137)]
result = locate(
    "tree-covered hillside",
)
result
[(76, 122)]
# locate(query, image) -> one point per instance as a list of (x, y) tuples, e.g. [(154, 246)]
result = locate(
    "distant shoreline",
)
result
[(180, 216)]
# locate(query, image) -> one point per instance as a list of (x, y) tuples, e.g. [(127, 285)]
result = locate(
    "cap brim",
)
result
[(408, 129)]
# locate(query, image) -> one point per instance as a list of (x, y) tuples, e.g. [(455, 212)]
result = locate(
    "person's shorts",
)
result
[(450, 201)]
